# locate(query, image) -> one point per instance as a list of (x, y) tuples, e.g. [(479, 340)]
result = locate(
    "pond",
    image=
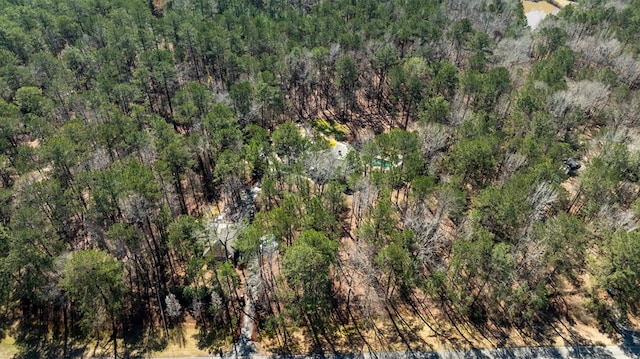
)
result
[(536, 11)]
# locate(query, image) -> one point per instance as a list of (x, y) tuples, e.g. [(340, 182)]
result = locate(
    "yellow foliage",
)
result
[(331, 128)]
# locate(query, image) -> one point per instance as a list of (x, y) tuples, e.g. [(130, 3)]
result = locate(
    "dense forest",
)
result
[(365, 174)]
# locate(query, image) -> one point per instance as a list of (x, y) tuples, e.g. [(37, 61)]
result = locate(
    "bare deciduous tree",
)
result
[(364, 197), (541, 200), (174, 309), (135, 207), (430, 229), (435, 137), (626, 113), (596, 50), (494, 23), (587, 97), (216, 303), (512, 162), (321, 167), (514, 52), (432, 241), (628, 68), (614, 218), (363, 272), (529, 267), (196, 308)]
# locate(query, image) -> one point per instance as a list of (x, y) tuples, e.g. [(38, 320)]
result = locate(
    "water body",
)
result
[(536, 11)]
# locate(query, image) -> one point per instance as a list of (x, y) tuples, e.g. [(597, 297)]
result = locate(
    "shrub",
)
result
[(331, 128)]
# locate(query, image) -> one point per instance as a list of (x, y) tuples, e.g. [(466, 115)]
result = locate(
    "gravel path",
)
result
[(245, 346)]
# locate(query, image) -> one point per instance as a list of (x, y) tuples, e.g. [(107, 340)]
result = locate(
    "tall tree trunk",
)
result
[(114, 335), (65, 323)]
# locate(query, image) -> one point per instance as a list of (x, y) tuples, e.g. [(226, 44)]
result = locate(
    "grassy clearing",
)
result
[(183, 343), (8, 347)]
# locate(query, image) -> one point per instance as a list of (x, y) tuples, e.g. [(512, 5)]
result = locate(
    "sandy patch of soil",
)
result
[(542, 6)]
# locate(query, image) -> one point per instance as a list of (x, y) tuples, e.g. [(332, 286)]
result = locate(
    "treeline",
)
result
[(123, 122)]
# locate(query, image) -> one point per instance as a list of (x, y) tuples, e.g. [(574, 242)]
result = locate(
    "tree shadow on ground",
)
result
[(282, 348), (36, 341), (140, 342), (630, 342), (210, 338), (177, 334), (406, 330), (531, 338)]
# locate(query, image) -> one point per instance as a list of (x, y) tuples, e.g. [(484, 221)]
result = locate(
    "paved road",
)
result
[(610, 352)]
